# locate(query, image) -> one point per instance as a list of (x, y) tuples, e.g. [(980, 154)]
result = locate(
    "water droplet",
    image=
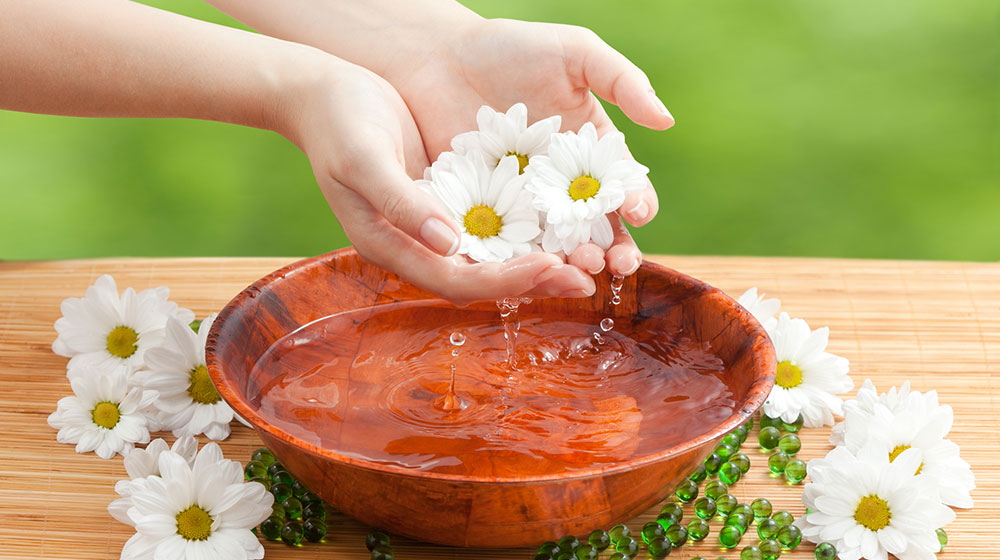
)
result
[(607, 324), (616, 299), (598, 338), (454, 354), (617, 282), (457, 338)]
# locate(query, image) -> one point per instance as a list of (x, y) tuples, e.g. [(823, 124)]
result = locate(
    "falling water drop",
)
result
[(607, 324), (457, 338), (450, 401)]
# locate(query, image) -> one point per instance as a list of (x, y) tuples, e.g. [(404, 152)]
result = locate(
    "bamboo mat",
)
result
[(937, 324)]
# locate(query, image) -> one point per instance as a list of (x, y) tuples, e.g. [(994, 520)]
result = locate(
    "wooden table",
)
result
[(935, 323)]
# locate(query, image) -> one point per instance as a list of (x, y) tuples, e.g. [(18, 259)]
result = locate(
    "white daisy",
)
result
[(764, 310), (490, 205), (188, 403), (141, 463), (808, 378), (895, 400), (507, 134), (915, 427), (193, 512), (103, 415), (869, 507), (104, 329)]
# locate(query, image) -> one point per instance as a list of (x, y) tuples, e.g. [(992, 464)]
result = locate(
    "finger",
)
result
[(640, 206), (613, 77), (588, 257), (623, 257)]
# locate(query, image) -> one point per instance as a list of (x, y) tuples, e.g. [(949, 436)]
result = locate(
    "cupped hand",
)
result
[(365, 150), (551, 68)]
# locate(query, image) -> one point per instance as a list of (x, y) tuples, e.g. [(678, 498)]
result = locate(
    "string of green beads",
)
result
[(619, 533), (770, 549), (651, 531), (677, 535), (768, 437), (750, 553), (942, 537), (783, 518), (825, 551), (687, 491), (767, 529), (730, 473), (790, 444), (789, 536), (795, 471), (698, 529), (729, 536), (778, 461), (761, 508), (659, 548), (742, 461), (725, 504), (712, 463), (793, 426), (599, 539), (716, 488), (704, 507)]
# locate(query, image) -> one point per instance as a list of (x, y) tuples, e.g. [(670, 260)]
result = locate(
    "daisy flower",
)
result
[(808, 378), (912, 426), (895, 400), (762, 309), (507, 134), (490, 205), (103, 329), (870, 507), (141, 463), (580, 181), (188, 402), (197, 511), (103, 415)]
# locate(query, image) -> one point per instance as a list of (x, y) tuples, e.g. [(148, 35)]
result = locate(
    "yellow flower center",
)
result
[(194, 524), (899, 449), (583, 187), (873, 513), (482, 221), (201, 388), (789, 375), (106, 414), (122, 341), (522, 161)]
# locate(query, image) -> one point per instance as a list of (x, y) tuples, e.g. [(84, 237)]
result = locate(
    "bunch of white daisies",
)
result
[(513, 188), (135, 367), (886, 486)]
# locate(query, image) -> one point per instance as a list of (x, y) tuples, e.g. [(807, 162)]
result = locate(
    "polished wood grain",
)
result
[(483, 511)]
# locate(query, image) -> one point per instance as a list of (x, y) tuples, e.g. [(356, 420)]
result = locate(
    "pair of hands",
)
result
[(367, 136)]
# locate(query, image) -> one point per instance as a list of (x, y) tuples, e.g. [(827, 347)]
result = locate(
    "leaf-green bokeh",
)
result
[(850, 128)]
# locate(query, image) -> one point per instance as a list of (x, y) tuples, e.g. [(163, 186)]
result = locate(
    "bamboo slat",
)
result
[(934, 323)]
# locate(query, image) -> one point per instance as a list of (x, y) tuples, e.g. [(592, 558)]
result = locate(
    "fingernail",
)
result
[(659, 104), (599, 269), (576, 294), (438, 236), (639, 211), (633, 268), (547, 274)]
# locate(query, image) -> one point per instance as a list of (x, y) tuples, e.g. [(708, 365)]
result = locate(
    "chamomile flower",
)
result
[(141, 463), (808, 378), (912, 426), (923, 404), (490, 205), (870, 507), (188, 402), (507, 134), (196, 511), (580, 181), (764, 310), (104, 329), (103, 415)]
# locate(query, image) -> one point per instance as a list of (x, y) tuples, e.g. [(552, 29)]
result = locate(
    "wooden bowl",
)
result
[(490, 511)]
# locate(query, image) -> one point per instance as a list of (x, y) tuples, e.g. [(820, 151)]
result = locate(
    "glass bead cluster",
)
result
[(782, 438), (297, 513)]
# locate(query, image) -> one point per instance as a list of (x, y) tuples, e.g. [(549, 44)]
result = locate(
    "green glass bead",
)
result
[(271, 527), (730, 536), (795, 471), (768, 437), (725, 504), (542, 556), (674, 509), (712, 463), (770, 549), (377, 538), (659, 548), (278, 510), (381, 552), (789, 536), (314, 529), (742, 433), (746, 510), (698, 529), (825, 551), (777, 461), (714, 489), (255, 469), (725, 451), (732, 440), (298, 489), (569, 543), (291, 532), (195, 325), (767, 529), (619, 556), (280, 491), (738, 520), (619, 532), (315, 510), (687, 491), (742, 461), (704, 507), (942, 537), (628, 546), (309, 498), (264, 481), (677, 535), (730, 473), (790, 444), (293, 507), (665, 520), (547, 548), (274, 468), (586, 553), (768, 422), (263, 455), (560, 555), (793, 426), (599, 539), (783, 518), (761, 508), (282, 477), (699, 474), (652, 530), (750, 553)]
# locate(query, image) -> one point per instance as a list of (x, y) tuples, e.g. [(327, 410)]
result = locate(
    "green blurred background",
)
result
[(815, 128)]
